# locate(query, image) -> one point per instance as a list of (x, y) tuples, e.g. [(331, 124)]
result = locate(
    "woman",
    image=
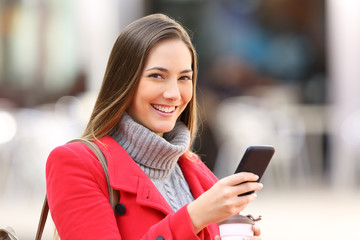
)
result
[(144, 120)]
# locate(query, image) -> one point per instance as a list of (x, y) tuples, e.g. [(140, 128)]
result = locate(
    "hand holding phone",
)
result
[(255, 160)]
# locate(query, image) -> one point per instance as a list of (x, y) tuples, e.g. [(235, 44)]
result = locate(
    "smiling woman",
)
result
[(165, 87), (126, 67), (144, 121)]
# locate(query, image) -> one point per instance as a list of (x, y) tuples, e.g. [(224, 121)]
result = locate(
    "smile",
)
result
[(163, 108)]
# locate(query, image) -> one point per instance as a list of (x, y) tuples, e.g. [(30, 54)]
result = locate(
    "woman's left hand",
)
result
[(257, 233), (256, 236)]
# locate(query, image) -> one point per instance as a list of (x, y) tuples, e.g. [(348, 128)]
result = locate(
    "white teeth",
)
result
[(164, 109)]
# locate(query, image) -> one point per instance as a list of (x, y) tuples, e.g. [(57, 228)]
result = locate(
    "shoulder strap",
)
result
[(42, 221), (114, 195)]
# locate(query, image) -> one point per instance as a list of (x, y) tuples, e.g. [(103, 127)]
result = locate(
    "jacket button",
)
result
[(120, 209), (160, 238)]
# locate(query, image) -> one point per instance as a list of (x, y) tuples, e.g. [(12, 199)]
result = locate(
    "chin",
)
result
[(164, 129)]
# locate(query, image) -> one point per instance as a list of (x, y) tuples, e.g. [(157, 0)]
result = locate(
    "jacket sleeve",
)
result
[(78, 200), (175, 226), (179, 225)]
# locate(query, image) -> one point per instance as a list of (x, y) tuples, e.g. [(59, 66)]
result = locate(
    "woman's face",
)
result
[(165, 86)]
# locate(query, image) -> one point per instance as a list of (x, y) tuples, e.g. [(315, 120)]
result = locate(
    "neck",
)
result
[(157, 156)]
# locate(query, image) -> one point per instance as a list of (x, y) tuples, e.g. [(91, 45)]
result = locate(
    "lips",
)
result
[(164, 109)]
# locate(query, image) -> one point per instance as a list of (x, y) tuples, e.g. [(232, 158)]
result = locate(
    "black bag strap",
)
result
[(114, 195)]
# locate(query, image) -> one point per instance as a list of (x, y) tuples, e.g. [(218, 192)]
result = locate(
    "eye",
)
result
[(185, 78), (156, 76)]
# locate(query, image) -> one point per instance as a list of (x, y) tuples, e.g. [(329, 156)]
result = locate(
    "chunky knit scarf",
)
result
[(157, 157)]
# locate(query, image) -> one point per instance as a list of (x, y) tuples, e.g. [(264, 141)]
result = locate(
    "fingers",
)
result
[(222, 199), (247, 187), (231, 187), (240, 183), (235, 204), (237, 191), (239, 178), (244, 238), (256, 230), (240, 203), (254, 238)]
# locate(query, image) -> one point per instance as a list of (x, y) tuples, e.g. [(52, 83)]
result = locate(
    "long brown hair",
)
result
[(124, 68)]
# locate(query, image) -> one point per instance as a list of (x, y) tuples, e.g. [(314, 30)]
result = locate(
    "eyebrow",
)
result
[(165, 70)]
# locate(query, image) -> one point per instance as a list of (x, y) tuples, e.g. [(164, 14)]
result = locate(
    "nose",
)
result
[(172, 91)]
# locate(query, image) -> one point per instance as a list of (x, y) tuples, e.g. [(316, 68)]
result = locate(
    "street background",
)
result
[(273, 72)]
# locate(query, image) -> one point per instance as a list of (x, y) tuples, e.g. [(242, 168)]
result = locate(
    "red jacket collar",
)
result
[(126, 175)]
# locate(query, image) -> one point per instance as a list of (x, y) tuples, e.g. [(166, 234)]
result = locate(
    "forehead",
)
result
[(169, 52)]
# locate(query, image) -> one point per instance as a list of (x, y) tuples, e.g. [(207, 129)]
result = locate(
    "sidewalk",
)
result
[(311, 214)]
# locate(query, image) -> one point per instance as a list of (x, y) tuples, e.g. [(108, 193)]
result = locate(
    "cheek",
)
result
[(135, 106), (187, 93)]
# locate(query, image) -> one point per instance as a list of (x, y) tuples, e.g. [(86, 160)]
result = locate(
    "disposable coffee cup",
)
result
[(237, 227)]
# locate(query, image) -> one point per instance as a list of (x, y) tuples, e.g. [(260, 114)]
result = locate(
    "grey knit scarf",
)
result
[(158, 156)]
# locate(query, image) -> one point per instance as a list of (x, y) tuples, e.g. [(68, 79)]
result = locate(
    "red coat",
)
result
[(79, 202)]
